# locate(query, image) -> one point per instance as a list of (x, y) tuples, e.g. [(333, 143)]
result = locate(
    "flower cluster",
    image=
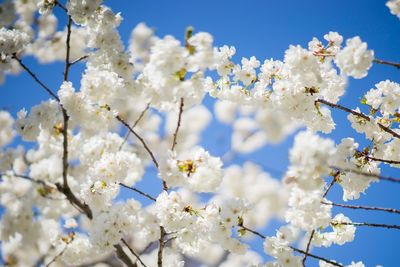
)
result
[(71, 197)]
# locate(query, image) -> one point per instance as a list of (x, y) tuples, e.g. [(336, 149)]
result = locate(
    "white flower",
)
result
[(306, 211), (224, 65), (353, 184), (81, 10), (278, 247), (386, 97), (6, 128), (12, 41), (394, 6), (198, 170), (45, 6), (354, 59), (309, 160)]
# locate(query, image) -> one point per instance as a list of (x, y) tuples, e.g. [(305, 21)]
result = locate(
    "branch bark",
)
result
[(359, 114), (361, 207)]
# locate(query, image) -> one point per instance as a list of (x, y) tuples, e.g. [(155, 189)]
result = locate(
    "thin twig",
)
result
[(147, 248), (138, 191), (295, 249), (134, 125), (160, 247), (65, 187), (133, 252), (383, 160), (378, 225), (335, 177), (252, 231), (140, 139), (46, 88), (57, 256), (83, 207), (316, 257), (359, 114), (384, 62), (41, 182), (169, 240), (308, 248), (361, 207), (380, 177), (178, 125), (123, 256), (61, 6), (68, 49), (78, 60)]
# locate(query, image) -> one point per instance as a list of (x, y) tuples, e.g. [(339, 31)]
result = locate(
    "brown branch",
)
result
[(383, 160), (378, 225), (335, 177), (78, 60), (64, 188), (295, 249), (147, 247), (61, 6), (83, 207), (140, 139), (359, 114), (41, 182), (316, 257), (169, 240), (389, 63), (380, 177), (178, 125), (68, 50), (46, 88), (308, 248), (134, 125), (251, 231), (160, 247), (133, 252), (57, 256), (361, 207), (123, 256), (138, 191)]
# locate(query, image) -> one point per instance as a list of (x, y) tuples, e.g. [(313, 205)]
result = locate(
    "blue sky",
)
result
[(265, 29)]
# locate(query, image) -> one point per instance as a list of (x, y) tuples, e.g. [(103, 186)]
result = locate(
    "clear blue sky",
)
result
[(265, 29)]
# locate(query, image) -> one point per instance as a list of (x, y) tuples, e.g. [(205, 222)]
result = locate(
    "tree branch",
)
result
[(361, 207), (378, 225), (359, 114), (140, 139), (380, 177), (389, 63), (123, 256), (134, 125), (133, 252), (46, 88), (68, 49), (138, 191), (389, 161), (316, 257), (178, 125), (335, 177), (160, 247), (57, 256), (78, 60), (295, 249), (251, 231)]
